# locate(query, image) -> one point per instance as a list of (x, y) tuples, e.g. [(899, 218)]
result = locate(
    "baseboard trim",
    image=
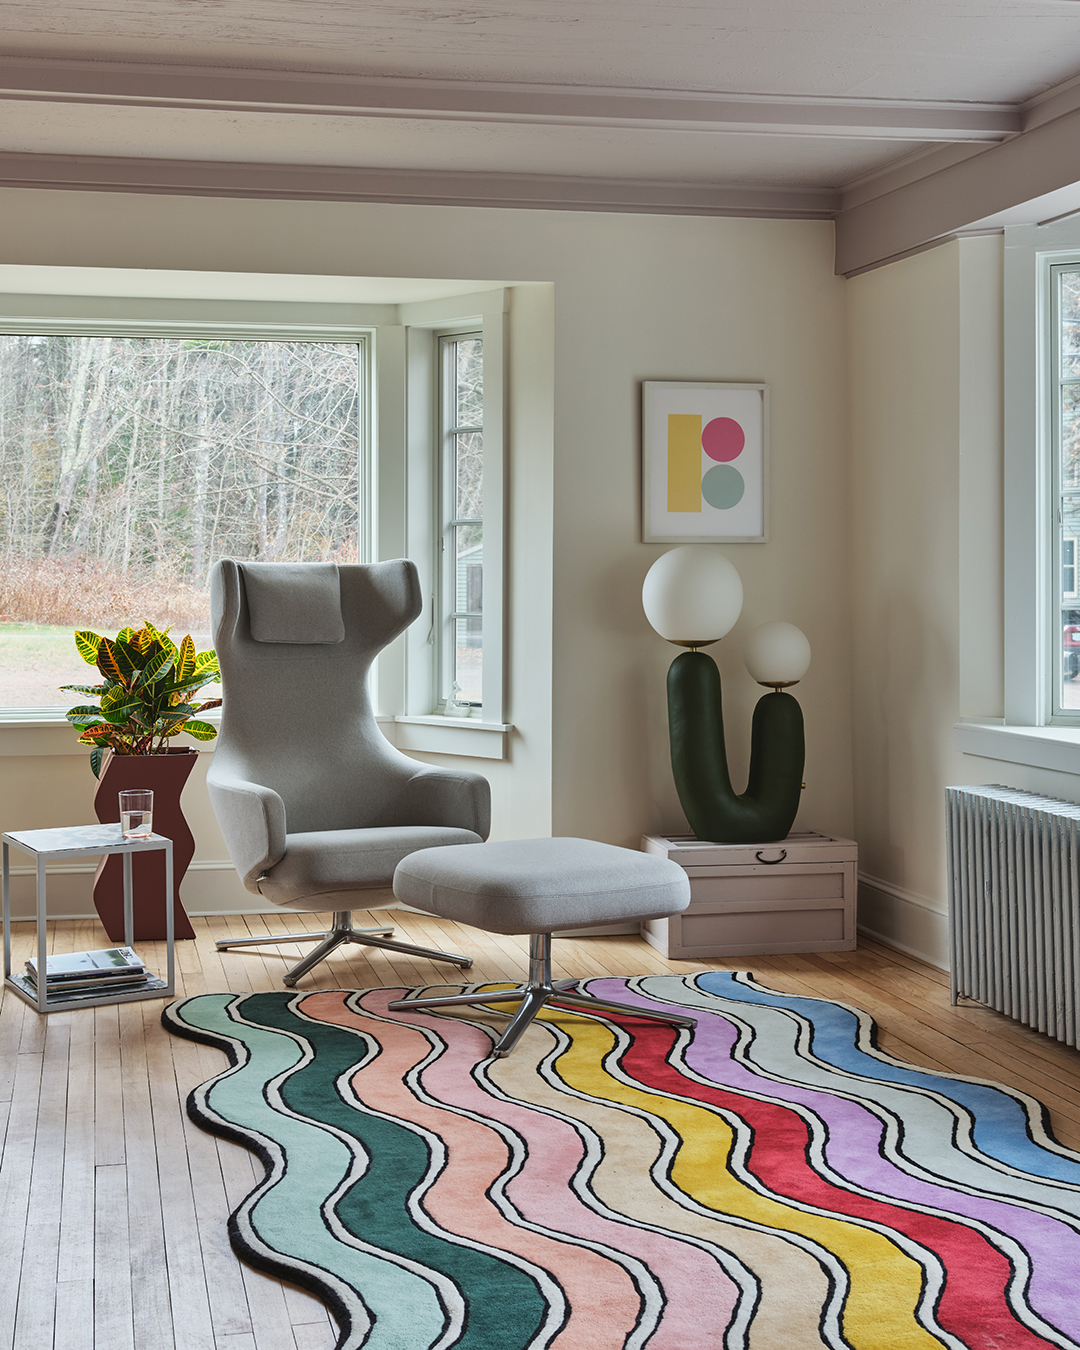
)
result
[(88, 869), (904, 919), (889, 940)]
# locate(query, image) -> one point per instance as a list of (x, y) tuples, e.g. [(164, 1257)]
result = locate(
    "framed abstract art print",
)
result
[(704, 463)]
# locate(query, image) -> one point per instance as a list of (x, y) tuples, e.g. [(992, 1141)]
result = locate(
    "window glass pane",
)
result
[(1070, 435), (469, 475), (1070, 603), (469, 609), (469, 362), (462, 586), (468, 662), (1068, 473), (1070, 623), (1070, 324), (128, 466)]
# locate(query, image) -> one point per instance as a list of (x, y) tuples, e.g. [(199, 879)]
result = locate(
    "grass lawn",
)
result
[(35, 658)]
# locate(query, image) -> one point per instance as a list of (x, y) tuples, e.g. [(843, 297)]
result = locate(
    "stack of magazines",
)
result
[(74, 975)]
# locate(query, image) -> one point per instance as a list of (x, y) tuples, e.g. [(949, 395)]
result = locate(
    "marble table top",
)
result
[(80, 839)]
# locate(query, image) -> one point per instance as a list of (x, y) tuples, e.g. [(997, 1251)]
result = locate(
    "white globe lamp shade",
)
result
[(777, 653), (692, 595)]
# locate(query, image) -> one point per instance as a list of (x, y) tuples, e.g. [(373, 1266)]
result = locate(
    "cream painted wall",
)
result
[(925, 339), (635, 297), (903, 334), (714, 300)]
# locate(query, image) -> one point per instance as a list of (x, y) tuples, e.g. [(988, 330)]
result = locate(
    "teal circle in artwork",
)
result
[(723, 486)]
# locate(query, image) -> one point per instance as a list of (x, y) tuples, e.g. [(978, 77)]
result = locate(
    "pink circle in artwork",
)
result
[(723, 439)]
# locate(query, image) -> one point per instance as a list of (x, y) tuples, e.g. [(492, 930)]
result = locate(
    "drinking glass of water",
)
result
[(137, 813)]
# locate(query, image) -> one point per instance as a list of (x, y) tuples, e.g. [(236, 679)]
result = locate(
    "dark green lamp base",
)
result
[(766, 810)]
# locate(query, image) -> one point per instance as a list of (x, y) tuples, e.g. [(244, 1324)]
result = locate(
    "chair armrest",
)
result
[(459, 800), (252, 822)]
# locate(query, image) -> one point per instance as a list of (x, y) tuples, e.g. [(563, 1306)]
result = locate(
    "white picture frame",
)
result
[(704, 463)]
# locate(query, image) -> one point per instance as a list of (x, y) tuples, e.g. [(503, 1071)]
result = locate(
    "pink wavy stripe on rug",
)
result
[(602, 1298), (543, 1193)]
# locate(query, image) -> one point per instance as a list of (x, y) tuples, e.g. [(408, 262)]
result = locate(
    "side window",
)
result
[(447, 676), (1064, 423), (461, 512)]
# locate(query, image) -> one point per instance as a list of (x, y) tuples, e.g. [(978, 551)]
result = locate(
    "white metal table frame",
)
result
[(79, 841)]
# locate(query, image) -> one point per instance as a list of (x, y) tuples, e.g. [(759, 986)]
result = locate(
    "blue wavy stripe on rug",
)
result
[(770, 1180)]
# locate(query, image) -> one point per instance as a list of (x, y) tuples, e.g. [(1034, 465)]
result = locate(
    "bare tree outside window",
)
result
[(128, 466)]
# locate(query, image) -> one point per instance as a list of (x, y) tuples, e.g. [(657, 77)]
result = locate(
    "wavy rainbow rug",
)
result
[(770, 1181)]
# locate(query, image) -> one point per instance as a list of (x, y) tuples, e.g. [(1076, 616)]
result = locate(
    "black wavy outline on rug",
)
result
[(281, 1270), (268, 1265)]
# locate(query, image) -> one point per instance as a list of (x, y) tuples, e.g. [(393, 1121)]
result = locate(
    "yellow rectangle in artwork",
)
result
[(684, 462)]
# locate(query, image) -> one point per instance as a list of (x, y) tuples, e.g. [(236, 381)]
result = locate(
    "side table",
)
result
[(72, 842), (797, 895)]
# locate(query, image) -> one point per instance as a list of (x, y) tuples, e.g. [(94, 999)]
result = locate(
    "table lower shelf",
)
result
[(26, 989)]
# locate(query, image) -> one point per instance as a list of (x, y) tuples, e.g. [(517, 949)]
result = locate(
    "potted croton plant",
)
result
[(145, 700)]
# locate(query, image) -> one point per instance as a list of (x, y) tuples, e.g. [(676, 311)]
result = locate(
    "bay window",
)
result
[(139, 443)]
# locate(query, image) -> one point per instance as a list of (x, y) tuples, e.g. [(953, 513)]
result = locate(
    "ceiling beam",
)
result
[(211, 88), (1040, 161), (305, 182)]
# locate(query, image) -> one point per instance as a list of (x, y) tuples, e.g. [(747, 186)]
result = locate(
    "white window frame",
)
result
[(445, 447), (1030, 733), (398, 517), (1032, 540), (421, 725)]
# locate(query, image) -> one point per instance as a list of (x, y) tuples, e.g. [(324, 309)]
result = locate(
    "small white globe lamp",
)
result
[(777, 654), (692, 595)]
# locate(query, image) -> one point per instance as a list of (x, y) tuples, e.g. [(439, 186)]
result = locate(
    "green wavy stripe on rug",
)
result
[(504, 1307), (400, 1303), (770, 1181)]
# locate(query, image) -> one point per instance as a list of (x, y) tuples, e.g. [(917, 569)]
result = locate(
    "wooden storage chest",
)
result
[(797, 895)]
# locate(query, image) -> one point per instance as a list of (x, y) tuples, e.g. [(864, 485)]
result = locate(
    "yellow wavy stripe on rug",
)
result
[(793, 1286), (885, 1284)]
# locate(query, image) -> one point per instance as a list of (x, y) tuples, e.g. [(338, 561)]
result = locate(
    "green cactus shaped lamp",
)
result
[(693, 596)]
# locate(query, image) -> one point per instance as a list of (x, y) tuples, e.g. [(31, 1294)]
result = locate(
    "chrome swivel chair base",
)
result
[(539, 990), (339, 935)]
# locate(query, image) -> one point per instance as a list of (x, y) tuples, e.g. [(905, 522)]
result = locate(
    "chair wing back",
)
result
[(295, 643)]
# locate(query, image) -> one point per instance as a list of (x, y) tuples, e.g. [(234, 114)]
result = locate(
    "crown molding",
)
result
[(304, 182), (313, 94)]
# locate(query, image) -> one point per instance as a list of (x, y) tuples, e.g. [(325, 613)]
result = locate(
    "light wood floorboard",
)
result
[(113, 1205)]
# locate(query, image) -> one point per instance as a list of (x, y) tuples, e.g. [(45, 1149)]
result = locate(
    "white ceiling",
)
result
[(992, 50), (769, 94)]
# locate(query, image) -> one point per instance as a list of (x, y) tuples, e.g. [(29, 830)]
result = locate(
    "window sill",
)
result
[(47, 732), (1056, 748), (466, 736)]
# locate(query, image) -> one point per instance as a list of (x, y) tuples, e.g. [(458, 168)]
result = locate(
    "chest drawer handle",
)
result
[(771, 862)]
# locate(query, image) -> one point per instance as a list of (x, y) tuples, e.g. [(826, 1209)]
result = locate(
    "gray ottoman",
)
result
[(534, 886)]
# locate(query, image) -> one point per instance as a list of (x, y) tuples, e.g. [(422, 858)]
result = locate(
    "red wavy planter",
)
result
[(165, 775)]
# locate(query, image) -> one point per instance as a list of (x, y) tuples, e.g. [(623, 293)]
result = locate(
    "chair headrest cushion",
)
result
[(294, 602)]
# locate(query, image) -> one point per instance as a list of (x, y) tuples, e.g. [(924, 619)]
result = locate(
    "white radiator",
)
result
[(1014, 905)]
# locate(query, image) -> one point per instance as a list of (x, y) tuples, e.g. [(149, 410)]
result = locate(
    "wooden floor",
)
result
[(113, 1205)]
